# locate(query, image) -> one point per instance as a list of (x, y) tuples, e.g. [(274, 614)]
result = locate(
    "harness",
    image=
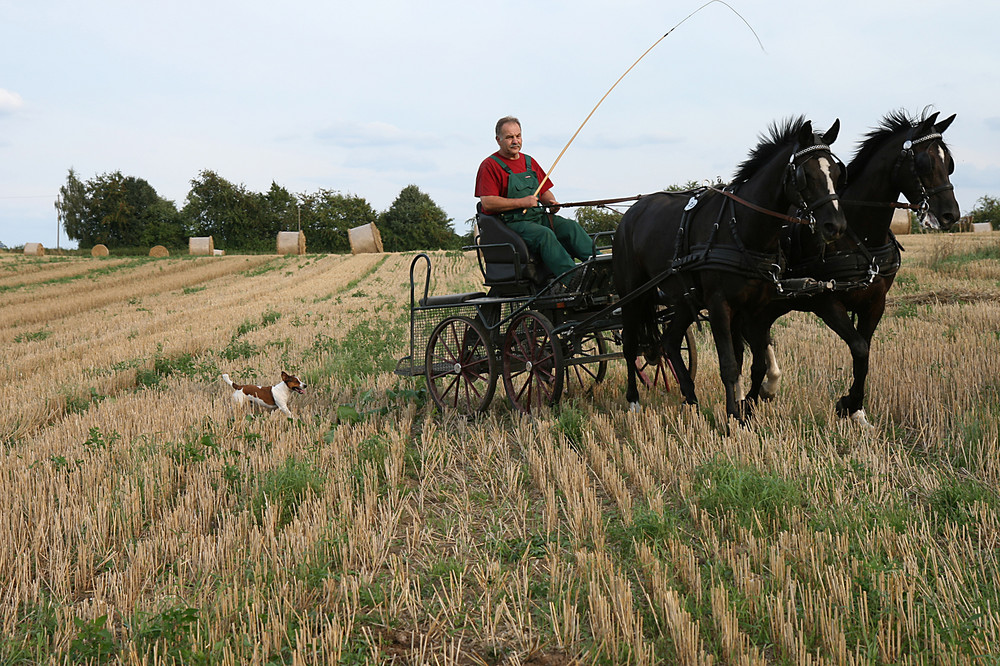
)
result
[(847, 270), (858, 268), (731, 259)]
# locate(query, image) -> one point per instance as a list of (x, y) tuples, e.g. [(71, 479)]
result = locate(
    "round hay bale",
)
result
[(291, 242), (99, 250), (34, 249), (981, 227), (900, 222), (201, 245), (159, 251), (365, 239)]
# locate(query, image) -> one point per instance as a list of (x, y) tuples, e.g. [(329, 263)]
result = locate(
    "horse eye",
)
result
[(923, 164), (951, 166)]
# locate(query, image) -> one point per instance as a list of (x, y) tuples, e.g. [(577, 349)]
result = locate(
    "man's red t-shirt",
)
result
[(491, 180)]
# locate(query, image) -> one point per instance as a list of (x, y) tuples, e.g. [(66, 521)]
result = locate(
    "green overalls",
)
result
[(554, 239)]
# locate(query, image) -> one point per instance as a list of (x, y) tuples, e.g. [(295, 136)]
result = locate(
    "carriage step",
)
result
[(406, 368), (450, 299)]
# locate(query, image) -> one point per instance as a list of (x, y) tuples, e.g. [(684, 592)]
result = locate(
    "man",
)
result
[(506, 184)]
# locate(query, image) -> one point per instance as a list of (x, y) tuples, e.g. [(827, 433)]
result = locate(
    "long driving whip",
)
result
[(710, 2)]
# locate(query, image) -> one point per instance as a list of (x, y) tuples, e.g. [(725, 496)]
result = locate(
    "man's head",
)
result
[(509, 137)]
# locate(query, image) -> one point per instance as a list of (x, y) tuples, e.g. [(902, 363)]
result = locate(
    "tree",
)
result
[(118, 211), (235, 217), (987, 210), (281, 208), (327, 216), (594, 219), (72, 207), (415, 222)]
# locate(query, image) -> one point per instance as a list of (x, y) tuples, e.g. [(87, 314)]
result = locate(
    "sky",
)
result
[(366, 98)]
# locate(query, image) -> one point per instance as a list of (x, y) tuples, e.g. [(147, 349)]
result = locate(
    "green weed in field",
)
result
[(286, 488)]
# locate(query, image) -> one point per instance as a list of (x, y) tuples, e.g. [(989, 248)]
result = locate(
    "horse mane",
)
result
[(778, 136), (893, 122)]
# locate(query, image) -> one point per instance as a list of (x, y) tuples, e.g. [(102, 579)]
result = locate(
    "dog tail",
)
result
[(226, 379)]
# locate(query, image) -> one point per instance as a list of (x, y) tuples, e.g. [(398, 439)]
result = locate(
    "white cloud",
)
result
[(9, 101)]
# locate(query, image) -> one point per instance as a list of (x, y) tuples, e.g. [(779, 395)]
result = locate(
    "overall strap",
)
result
[(503, 165)]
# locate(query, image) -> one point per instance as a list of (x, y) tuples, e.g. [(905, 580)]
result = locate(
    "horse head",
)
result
[(812, 177), (922, 172)]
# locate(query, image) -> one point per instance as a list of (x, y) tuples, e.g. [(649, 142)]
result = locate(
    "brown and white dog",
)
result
[(268, 397)]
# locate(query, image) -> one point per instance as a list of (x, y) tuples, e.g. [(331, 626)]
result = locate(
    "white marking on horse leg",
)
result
[(634, 407), (861, 419), (772, 379)]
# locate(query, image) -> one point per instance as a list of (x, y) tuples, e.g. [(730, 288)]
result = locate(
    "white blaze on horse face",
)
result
[(942, 157), (824, 165)]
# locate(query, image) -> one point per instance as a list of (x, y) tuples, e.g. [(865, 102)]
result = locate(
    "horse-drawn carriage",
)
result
[(543, 340), (724, 254)]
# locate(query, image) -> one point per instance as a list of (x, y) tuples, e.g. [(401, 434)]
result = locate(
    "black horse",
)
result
[(718, 249), (902, 155)]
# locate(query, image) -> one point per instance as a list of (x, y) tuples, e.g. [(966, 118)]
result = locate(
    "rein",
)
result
[(752, 206)]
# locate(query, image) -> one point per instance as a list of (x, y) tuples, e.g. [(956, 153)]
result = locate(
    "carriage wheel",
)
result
[(460, 366), (659, 371), (582, 378), (532, 363)]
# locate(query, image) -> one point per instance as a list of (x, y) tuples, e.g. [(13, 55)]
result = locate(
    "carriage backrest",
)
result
[(505, 260)]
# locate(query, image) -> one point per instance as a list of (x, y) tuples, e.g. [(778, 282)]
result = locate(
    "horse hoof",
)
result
[(843, 411), (634, 407), (859, 417)]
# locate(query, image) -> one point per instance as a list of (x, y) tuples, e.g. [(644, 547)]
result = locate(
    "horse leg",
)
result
[(630, 350), (853, 404), (720, 317), (758, 336), (764, 367), (772, 377), (672, 339), (839, 321), (736, 331)]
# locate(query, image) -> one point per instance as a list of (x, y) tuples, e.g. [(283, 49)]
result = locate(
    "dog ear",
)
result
[(284, 375)]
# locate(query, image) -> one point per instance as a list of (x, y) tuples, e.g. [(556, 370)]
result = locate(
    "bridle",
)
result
[(910, 157), (795, 177)]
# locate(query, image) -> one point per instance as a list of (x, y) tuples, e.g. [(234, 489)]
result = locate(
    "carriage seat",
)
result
[(506, 263)]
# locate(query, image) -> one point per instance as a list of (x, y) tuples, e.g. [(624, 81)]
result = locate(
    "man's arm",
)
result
[(496, 204)]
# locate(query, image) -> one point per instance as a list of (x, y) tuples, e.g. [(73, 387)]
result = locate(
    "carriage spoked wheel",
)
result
[(583, 374), (532, 362), (658, 373), (460, 366)]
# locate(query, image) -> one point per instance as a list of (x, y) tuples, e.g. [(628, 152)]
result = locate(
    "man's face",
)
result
[(510, 141)]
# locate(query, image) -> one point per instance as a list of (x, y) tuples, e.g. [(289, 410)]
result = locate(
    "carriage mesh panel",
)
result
[(424, 321)]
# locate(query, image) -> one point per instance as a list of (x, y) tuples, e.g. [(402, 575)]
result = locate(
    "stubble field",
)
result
[(146, 519)]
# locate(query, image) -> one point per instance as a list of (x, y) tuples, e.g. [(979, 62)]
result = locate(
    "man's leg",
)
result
[(573, 237), (542, 241)]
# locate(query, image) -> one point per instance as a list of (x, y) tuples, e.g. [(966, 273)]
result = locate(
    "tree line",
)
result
[(126, 212)]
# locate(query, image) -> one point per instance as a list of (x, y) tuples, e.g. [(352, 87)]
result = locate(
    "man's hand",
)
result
[(549, 201)]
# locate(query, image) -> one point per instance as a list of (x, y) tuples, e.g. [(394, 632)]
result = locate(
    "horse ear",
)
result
[(805, 137), (831, 134), (925, 127), (944, 124)]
